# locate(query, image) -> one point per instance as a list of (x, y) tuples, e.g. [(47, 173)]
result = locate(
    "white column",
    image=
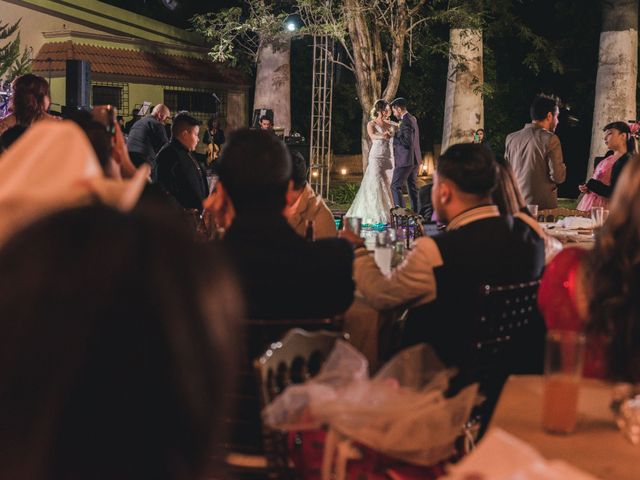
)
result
[(464, 107), (273, 82), (615, 86)]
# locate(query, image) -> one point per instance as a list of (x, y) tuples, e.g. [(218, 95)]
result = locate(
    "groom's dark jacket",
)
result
[(406, 142)]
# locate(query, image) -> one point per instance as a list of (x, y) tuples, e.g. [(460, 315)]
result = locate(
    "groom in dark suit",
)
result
[(407, 154)]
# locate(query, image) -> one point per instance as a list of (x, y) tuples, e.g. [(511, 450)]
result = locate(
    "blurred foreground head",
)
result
[(613, 273), (115, 354), (255, 169)]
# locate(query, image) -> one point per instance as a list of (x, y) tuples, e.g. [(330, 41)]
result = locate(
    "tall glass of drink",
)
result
[(564, 356)]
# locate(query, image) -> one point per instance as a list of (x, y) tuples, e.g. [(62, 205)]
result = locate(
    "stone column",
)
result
[(273, 82), (464, 107), (617, 71)]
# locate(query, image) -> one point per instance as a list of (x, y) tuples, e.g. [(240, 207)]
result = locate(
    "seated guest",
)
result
[(213, 138), (283, 275), (441, 276), (599, 189), (595, 291), (112, 349), (179, 174), (425, 207), (304, 205)]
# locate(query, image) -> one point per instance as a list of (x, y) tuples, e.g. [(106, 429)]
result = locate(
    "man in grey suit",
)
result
[(407, 154), (535, 154)]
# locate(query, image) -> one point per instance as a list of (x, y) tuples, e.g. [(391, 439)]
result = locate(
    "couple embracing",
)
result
[(382, 183)]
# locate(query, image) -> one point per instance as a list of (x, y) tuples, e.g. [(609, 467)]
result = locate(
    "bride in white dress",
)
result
[(374, 201)]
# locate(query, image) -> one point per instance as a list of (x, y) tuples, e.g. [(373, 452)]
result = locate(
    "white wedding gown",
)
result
[(374, 201)]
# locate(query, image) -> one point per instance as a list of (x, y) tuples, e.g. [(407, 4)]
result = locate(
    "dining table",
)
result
[(597, 446), (569, 234)]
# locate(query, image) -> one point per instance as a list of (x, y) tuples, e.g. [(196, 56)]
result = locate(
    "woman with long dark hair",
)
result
[(30, 102), (116, 347), (596, 291), (599, 189)]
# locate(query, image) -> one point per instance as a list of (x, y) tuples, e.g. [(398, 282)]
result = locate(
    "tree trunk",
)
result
[(273, 82), (369, 60), (617, 71), (464, 108)]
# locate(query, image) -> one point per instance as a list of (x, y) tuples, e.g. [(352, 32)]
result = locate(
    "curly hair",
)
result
[(378, 108), (28, 101), (612, 273)]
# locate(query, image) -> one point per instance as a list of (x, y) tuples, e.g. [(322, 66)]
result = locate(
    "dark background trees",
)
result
[(530, 46)]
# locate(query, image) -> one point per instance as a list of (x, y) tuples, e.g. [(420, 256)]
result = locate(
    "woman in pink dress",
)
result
[(599, 189), (596, 291)]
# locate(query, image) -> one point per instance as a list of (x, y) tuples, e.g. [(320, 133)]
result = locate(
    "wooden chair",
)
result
[(508, 338), (245, 446), (408, 220), (554, 214)]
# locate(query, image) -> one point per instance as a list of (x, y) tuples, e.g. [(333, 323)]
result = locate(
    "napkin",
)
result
[(501, 456), (574, 223)]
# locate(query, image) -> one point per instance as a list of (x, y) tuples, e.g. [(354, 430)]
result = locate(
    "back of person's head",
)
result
[(399, 103), (613, 277), (299, 170), (507, 196), (543, 105), (623, 127), (101, 140), (212, 123), (471, 167), (11, 135), (135, 112), (255, 168), (378, 108), (115, 356), (160, 111), (29, 98), (181, 122)]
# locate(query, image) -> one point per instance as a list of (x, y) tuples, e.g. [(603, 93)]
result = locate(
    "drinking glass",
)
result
[(564, 356), (383, 253), (605, 215), (353, 224), (533, 210), (597, 216)]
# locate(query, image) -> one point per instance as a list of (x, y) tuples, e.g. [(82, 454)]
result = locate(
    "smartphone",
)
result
[(106, 115)]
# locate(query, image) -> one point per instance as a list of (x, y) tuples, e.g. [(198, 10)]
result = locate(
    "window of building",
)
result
[(107, 95), (193, 101)]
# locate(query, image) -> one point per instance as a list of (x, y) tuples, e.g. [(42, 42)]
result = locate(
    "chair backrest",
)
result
[(243, 421), (404, 218), (554, 214), (294, 359), (508, 338), (507, 314)]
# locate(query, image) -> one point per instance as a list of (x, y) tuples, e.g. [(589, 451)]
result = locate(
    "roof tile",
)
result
[(119, 61)]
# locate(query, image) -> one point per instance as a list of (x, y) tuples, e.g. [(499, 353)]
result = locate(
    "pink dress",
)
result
[(602, 174)]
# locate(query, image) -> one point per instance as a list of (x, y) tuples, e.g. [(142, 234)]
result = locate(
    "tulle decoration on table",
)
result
[(400, 412)]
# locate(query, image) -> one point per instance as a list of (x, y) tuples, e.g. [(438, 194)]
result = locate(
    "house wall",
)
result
[(33, 23)]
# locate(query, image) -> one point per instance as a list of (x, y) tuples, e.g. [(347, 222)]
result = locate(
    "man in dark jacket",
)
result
[(283, 275), (179, 174), (147, 136)]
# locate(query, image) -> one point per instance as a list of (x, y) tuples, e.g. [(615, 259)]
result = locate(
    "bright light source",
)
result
[(314, 173), (343, 171), (291, 26)]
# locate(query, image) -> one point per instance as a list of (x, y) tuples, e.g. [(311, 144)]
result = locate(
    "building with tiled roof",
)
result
[(133, 58)]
